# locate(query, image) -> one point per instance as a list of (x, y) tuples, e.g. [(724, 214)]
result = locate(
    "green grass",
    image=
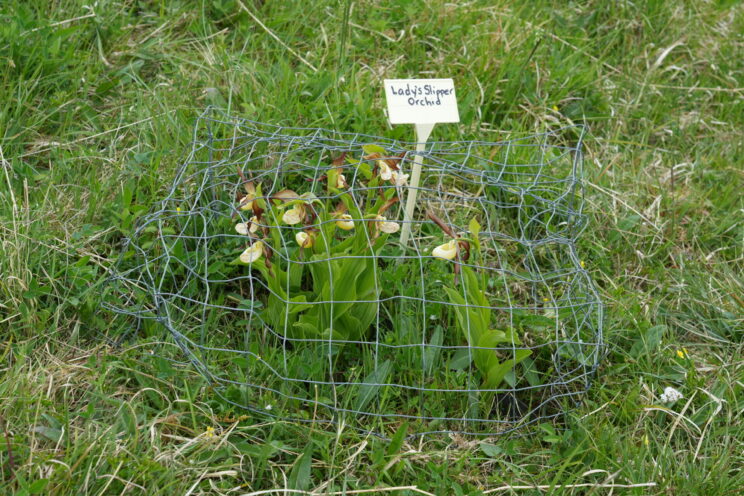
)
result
[(97, 108)]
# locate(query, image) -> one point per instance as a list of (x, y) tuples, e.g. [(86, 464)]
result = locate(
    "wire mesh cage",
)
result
[(275, 264)]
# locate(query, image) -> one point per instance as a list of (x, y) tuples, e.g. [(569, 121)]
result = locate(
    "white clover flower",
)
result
[(447, 251), (252, 253), (386, 226), (345, 222), (670, 395), (268, 407)]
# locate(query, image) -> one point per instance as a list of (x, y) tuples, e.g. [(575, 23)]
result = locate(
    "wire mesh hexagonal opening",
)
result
[(275, 263)]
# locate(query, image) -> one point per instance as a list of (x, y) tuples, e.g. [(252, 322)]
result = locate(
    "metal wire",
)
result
[(413, 362)]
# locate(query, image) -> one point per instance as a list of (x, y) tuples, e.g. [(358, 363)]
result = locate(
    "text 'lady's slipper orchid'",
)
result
[(252, 253), (294, 215), (304, 239), (386, 226), (344, 222), (447, 251)]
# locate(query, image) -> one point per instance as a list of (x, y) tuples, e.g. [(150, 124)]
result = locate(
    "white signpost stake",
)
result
[(422, 102), (422, 136)]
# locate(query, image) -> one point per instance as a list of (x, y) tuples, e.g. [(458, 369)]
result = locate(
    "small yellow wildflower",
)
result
[(682, 353), (209, 433), (583, 265)]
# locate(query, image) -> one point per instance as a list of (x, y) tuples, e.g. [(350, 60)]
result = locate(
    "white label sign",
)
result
[(421, 101)]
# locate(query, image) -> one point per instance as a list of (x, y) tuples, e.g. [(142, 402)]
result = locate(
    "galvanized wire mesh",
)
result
[(506, 333)]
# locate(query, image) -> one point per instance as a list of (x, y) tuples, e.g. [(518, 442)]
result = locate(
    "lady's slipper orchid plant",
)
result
[(472, 309), (337, 237)]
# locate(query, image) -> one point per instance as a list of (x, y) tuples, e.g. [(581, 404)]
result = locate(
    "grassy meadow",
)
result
[(97, 106)]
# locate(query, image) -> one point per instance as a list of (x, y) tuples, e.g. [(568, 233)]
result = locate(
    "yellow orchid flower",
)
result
[(400, 179), (386, 173), (254, 225), (246, 203), (294, 215), (386, 226), (246, 228), (242, 228), (447, 251), (344, 222), (252, 253), (304, 239)]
